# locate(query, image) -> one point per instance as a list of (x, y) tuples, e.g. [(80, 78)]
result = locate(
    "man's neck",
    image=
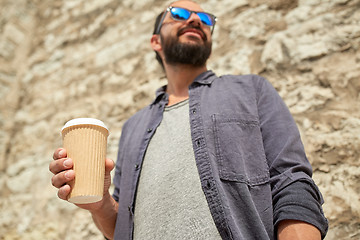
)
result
[(180, 78)]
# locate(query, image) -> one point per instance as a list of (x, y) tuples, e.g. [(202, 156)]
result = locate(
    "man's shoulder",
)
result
[(251, 78), (244, 81)]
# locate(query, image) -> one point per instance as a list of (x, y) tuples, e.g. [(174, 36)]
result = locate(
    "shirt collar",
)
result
[(205, 78)]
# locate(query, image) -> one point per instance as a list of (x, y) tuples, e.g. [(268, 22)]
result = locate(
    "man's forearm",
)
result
[(105, 217), (296, 230)]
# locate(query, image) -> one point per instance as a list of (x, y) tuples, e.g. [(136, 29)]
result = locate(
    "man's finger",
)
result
[(62, 178), (59, 153), (109, 165), (64, 192), (60, 165)]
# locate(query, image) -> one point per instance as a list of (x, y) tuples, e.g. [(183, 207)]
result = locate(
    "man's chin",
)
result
[(193, 40), (187, 50)]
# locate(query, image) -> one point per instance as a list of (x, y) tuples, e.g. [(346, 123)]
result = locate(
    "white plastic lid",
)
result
[(81, 121)]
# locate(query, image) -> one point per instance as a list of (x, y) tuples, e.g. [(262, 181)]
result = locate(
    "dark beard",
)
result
[(185, 53)]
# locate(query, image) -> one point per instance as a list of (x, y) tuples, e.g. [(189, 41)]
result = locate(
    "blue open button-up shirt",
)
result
[(250, 158)]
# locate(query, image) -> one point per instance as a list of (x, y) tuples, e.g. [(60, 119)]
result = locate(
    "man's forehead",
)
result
[(187, 4)]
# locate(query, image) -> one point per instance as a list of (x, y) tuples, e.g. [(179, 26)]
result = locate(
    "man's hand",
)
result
[(103, 212), (62, 168)]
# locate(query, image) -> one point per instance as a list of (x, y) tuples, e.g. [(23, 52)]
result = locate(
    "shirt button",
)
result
[(149, 130), (208, 184), (193, 111), (137, 166)]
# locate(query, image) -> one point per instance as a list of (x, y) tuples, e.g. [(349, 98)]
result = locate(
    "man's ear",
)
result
[(156, 43)]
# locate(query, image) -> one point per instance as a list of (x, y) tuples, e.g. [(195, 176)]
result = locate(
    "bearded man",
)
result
[(210, 158)]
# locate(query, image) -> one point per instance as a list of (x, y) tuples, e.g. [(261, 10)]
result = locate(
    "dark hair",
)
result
[(157, 22)]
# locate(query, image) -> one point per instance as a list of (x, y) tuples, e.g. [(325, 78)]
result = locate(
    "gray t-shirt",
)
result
[(170, 203)]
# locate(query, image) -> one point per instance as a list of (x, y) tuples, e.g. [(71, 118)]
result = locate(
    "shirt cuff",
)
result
[(300, 201)]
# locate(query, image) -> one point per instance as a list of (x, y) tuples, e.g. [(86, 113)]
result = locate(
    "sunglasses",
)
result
[(182, 14)]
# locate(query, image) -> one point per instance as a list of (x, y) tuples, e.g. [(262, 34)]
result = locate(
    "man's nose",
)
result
[(194, 19)]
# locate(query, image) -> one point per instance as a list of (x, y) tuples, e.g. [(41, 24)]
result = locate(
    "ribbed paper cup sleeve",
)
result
[(85, 140)]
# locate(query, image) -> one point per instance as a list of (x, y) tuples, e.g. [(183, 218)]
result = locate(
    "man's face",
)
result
[(186, 42)]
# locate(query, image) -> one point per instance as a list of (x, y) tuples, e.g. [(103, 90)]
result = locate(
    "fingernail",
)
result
[(68, 174), (61, 153), (67, 163)]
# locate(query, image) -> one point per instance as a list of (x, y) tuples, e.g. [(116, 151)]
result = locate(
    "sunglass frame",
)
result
[(191, 12)]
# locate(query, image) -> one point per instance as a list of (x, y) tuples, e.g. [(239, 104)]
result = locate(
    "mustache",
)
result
[(182, 30)]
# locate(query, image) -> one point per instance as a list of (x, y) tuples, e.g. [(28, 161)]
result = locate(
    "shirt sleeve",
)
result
[(300, 201), (294, 193)]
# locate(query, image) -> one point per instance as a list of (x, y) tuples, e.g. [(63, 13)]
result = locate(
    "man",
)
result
[(210, 158)]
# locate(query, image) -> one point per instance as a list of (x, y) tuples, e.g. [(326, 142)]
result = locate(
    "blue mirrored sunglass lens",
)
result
[(180, 14), (184, 14), (205, 18)]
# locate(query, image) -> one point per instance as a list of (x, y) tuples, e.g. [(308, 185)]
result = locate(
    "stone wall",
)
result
[(74, 58)]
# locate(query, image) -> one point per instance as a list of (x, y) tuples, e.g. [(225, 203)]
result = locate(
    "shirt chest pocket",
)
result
[(239, 149)]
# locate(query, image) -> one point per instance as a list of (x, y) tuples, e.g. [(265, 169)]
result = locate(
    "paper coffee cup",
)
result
[(85, 140)]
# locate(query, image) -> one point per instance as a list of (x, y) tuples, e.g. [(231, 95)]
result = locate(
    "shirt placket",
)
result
[(203, 164), (157, 114)]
